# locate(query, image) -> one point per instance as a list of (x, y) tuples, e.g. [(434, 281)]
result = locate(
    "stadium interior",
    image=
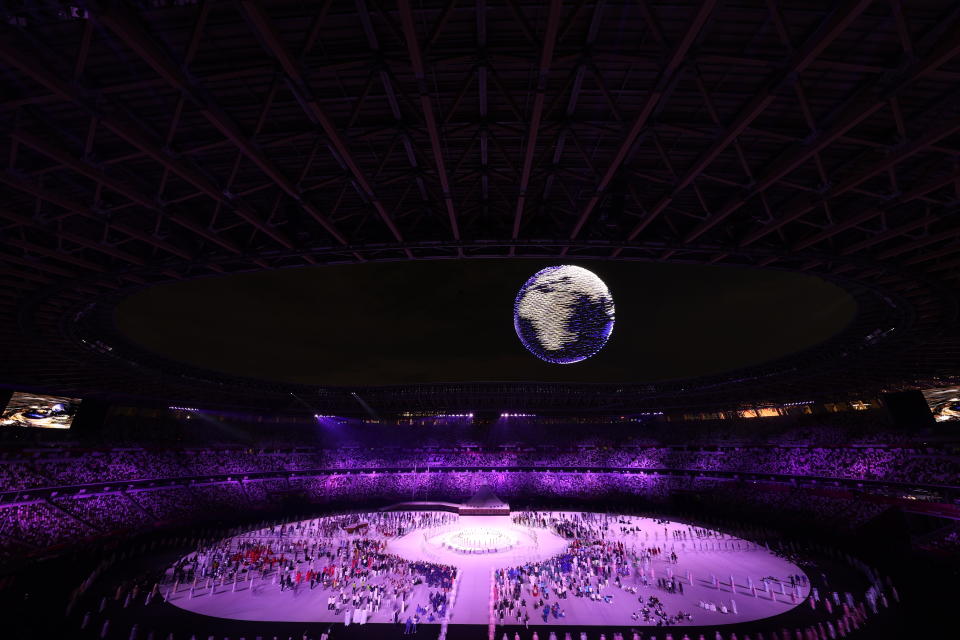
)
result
[(503, 319)]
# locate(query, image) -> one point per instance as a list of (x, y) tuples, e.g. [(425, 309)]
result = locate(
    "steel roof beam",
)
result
[(129, 132), (33, 264), (426, 104), (858, 219), (930, 138), (27, 221), (533, 130), (937, 134), (658, 91), (143, 44), (64, 158), (853, 114), (34, 189), (915, 193), (829, 31), (274, 45), (576, 86), (387, 81)]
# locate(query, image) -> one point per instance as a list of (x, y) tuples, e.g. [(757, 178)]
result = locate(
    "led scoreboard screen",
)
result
[(944, 403), (39, 411)]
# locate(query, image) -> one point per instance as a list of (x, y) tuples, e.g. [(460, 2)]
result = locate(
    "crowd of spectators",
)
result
[(52, 522), (42, 525), (52, 496), (68, 467), (105, 512), (799, 507)]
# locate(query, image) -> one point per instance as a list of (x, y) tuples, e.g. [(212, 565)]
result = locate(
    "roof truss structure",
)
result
[(155, 141)]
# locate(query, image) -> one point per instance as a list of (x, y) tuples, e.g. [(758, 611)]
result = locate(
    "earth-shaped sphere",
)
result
[(563, 314)]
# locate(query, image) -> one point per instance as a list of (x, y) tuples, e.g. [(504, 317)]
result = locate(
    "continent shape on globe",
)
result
[(563, 314)]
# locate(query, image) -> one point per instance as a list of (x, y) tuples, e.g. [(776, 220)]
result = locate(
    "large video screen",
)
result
[(35, 410), (944, 403)]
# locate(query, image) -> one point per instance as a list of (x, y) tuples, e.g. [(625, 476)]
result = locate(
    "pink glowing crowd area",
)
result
[(536, 568)]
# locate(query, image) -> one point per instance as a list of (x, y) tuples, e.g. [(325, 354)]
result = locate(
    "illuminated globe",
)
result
[(563, 314)]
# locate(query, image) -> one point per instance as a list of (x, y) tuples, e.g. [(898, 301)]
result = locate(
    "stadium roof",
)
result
[(159, 141)]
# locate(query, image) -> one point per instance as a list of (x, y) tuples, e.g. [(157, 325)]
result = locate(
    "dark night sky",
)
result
[(404, 322)]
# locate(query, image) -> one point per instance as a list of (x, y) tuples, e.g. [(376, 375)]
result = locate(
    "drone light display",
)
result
[(563, 314)]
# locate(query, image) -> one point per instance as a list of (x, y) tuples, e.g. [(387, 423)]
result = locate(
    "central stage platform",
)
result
[(483, 503)]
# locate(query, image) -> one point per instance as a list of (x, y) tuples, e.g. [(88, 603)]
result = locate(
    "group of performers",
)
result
[(335, 555), (593, 562), (607, 558)]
